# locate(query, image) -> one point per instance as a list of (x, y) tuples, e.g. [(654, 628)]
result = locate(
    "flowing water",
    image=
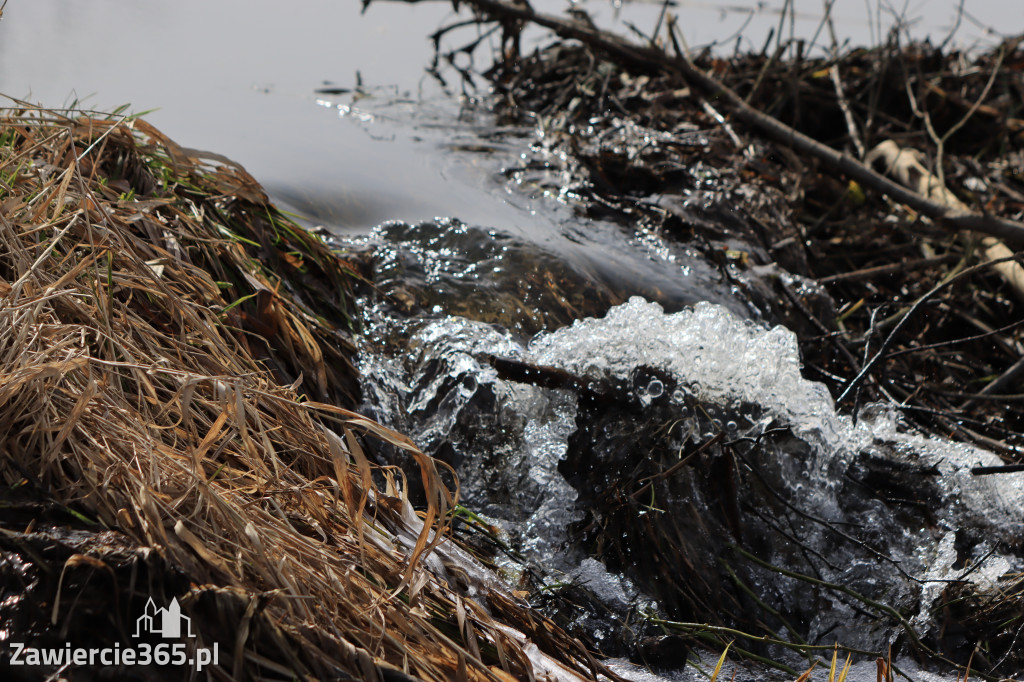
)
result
[(592, 470), (894, 518)]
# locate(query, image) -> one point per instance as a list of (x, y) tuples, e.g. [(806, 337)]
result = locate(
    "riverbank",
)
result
[(176, 381)]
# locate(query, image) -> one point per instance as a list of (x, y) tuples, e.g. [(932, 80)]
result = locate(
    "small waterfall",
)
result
[(587, 480)]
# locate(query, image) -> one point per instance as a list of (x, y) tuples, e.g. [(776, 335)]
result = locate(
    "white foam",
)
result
[(724, 359), (717, 354)]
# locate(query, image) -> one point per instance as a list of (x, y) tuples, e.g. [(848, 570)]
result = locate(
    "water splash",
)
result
[(892, 515), (718, 355), (724, 359)]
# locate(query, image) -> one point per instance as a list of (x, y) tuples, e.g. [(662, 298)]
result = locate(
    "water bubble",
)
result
[(655, 389), (468, 386)]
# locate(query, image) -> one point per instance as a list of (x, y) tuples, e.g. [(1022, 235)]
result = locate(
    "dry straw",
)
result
[(173, 363)]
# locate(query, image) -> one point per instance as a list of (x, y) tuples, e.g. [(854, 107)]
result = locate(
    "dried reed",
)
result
[(173, 363)]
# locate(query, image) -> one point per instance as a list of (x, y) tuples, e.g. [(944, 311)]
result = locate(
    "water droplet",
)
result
[(468, 386)]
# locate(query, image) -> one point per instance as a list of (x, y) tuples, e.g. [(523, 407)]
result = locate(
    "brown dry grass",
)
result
[(172, 364)]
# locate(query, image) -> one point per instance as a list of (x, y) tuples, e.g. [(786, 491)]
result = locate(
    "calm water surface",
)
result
[(239, 77)]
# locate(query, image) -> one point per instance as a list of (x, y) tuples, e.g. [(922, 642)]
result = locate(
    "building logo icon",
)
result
[(165, 622)]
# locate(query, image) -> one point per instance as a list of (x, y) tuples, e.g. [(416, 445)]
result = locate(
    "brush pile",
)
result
[(174, 376), (644, 143), (870, 200), (633, 131)]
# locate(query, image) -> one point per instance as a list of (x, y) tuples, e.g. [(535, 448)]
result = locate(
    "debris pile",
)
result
[(870, 200)]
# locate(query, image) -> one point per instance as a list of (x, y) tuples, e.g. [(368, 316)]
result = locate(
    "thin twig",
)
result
[(940, 143), (857, 380), (721, 120), (844, 104), (1005, 379), (868, 273), (956, 27)]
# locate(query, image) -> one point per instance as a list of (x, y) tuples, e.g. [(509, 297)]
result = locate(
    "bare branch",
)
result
[(719, 94)]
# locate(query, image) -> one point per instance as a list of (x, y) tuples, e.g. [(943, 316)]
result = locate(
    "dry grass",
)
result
[(172, 361)]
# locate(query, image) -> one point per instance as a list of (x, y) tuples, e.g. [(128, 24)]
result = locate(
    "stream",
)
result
[(631, 422), (558, 461)]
